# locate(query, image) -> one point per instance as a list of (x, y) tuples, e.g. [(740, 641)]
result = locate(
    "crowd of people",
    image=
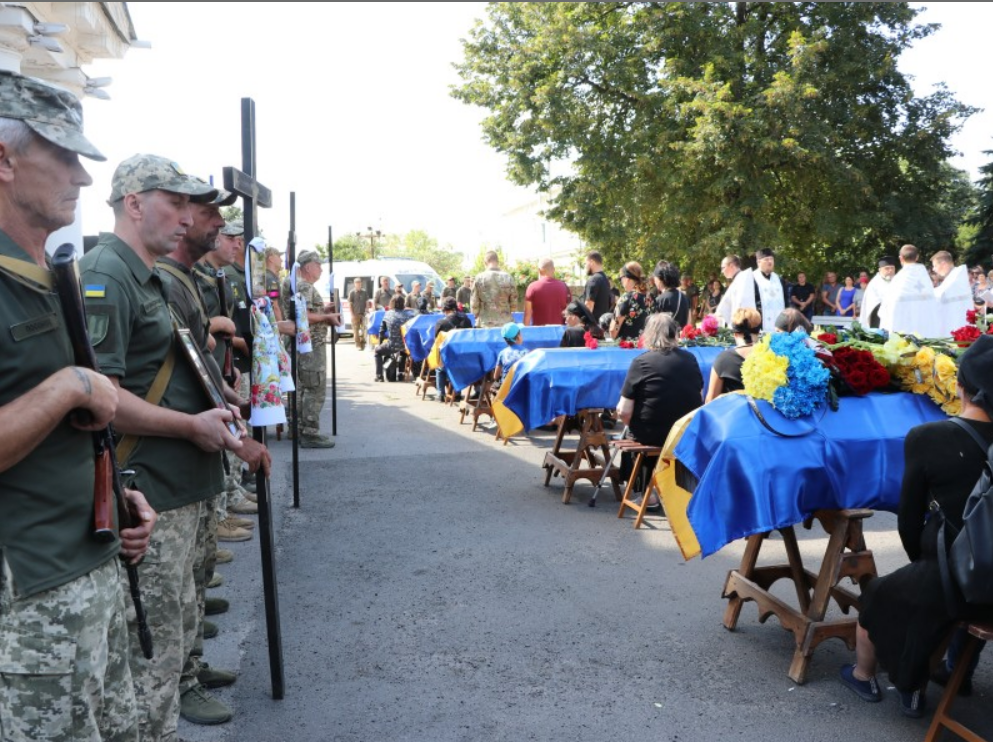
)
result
[(74, 665), (172, 262)]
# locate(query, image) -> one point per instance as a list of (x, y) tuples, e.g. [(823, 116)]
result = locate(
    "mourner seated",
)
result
[(725, 374), (661, 386), (905, 615), (391, 326), (578, 321)]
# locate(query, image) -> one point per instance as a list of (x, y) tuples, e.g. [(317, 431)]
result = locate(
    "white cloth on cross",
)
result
[(910, 305), (955, 297)]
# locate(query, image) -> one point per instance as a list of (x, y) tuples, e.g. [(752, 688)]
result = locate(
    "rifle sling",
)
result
[(28, 274), (156, 391)]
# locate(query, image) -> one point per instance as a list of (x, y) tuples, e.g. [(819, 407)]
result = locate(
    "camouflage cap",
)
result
[(223, 198), (308, 256), (233, 228), (51, 113), (140, 173)]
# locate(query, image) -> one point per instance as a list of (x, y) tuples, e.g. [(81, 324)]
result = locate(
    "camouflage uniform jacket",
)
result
[(494, 298)]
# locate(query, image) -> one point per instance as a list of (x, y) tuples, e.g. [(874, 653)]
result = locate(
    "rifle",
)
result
[(107, 484), (227, 368)]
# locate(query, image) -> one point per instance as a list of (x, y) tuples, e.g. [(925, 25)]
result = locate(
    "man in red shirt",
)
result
[(546, 298)]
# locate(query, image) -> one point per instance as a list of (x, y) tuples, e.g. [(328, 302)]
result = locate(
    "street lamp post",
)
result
[(372, 236)]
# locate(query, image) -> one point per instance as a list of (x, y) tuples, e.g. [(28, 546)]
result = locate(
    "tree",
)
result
[(349, 247), (981, 220), (688, 130), (419, 245)]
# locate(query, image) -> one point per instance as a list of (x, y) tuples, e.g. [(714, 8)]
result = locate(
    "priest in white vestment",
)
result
[(910, 306), (954, 293), (731, 268), (760, 289), (875, 291)]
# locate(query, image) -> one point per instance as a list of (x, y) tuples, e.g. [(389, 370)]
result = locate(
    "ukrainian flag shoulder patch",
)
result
[(93, 291)]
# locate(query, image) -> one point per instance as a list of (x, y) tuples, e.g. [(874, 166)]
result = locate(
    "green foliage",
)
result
[(349, 247), (419, 245), (479, 264), (231, 212), (981, 220), (690, 130)]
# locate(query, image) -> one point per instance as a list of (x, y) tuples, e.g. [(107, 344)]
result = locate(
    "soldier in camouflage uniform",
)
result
[(311, 367), (63, 630), (358, 302), (132, 331), (494, 294)]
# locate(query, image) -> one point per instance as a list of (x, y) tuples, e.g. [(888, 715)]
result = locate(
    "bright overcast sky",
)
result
[(354, 114)]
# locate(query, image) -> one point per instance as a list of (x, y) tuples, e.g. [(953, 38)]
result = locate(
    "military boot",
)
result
[(197, 706), (210, 630), (237, 522), (316, 441), (223, 556), (214, 606), (245, 507), (228, 532), (211, 677), (216, 581)]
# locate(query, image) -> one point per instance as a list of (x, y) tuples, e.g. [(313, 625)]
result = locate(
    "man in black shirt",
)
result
[(597, 295), (802, 296)]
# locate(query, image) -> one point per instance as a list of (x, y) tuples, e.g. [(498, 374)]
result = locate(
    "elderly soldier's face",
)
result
[(46, 181), (207, 223), (165, 218)]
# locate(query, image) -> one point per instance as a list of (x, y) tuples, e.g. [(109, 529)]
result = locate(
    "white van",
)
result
[(398, 270)]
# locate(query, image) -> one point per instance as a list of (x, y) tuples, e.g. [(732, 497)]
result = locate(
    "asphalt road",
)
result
[(431, 589)]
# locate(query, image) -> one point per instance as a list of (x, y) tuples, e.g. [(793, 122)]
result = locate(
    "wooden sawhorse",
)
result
[(589, 458), (846, 555)]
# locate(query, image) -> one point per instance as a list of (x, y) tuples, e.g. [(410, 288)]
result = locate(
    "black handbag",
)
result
[(967, 564)]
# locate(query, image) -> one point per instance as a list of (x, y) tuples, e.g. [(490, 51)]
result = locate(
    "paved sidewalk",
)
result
[(432, 589)]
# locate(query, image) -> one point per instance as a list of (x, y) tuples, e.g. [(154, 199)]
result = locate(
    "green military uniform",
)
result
[(358, 301), (382, 298), (494, 298), (132, 332), (464, 296), (311, 367), (189, 306), (62, 611), (239, 293)]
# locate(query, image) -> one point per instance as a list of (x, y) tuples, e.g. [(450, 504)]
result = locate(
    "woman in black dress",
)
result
[(725, 374), (661, 386), (670, 300), (904, 615), (633, 308)]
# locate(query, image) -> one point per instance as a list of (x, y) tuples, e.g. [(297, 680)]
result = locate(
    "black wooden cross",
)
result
[(254, 194), (291, 259)]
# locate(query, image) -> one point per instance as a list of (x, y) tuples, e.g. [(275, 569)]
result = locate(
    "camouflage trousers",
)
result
[(233, 493), (169, 594), (64, 672), (204, 561), (312, 389)]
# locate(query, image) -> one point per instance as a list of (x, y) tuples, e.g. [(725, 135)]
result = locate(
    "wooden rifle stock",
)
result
[(227, 368), (103, 497), (108, 484)]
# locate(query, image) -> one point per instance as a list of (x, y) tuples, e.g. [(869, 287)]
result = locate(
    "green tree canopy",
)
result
[(981, 220), (419, 245), (689, 130)]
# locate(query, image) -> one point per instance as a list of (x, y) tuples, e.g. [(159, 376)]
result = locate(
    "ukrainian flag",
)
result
[(94, 291)]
